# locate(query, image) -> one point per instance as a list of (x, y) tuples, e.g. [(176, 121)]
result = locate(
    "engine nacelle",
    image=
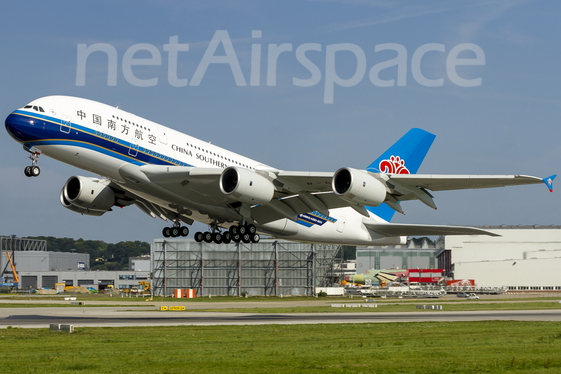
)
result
[(90, 196), (246, 186), (359, 187)]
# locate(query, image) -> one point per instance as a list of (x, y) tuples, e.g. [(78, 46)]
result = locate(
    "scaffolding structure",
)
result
[(12, 243), (268, 268)]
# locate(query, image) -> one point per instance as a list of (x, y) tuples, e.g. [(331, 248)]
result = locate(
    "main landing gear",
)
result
[(33, 170), (175, 231), (236, 234)]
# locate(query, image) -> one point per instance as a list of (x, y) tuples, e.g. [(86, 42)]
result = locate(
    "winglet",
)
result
[(549, 182)]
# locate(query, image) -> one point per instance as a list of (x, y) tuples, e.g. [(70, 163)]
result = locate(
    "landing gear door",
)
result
[(65, 124)]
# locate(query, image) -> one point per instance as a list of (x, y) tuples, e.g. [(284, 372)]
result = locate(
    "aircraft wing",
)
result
[(416, 186), (196, 184), (401, 187), (435, 182), (308, 191), (298, 181), (404, 229), (321, 182)]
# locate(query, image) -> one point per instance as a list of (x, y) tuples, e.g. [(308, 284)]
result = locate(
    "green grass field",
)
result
[(459, 347)]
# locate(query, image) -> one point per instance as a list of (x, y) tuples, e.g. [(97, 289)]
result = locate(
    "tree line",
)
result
[(103, 256)]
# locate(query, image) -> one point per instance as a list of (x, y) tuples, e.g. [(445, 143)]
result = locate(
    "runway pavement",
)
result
[(107, 316)]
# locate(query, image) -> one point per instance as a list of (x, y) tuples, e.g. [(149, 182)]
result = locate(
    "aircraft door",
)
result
[(341, 224), (163, 137), (65, 124), (133, 149)]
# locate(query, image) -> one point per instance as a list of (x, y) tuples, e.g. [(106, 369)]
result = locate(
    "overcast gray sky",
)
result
[(335, 84)]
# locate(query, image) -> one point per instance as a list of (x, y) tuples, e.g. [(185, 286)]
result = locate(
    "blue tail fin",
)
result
[(404, 157)]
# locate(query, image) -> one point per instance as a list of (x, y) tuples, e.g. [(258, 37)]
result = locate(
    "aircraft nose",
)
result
[(16, 126)]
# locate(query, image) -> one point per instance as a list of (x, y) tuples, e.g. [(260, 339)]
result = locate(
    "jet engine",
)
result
[(359, 187), (246, 186), (90, 196)]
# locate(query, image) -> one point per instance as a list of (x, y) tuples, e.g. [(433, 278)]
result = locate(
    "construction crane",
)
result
[(15, 277), (14, 272)]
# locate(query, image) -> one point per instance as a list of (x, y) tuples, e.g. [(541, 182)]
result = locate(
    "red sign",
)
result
[(460, 282)]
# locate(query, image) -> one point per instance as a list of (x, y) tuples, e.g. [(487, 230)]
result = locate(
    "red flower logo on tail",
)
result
[(395, 165)]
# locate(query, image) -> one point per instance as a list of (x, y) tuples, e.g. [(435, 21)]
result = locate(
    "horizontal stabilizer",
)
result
[(404, 229)]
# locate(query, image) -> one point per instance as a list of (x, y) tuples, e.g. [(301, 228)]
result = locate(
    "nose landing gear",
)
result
[(33, 170)]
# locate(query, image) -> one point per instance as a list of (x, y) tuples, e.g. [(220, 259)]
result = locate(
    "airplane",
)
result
[(181, 179)]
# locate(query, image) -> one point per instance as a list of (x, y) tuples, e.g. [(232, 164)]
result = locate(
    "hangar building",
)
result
[(523, 258), (267, 268)]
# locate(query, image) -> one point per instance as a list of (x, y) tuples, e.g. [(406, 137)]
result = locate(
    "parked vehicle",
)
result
[(469, 296)]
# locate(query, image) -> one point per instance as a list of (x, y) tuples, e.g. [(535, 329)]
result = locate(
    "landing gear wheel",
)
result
[(246, 238), (251, 229), (175, 232), (207, 237), (226, 237), (242, 229), (183, 231), (27, 171), (217, 237), (199, 237), (234, 230), (35, 171), (166, 232), (255, 238), (236, 238)]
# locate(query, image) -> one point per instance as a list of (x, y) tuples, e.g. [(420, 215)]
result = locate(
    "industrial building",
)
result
[(270, 267), (49, 261), (38, 268), (523, 258), (415, 254), (139, 263), (98, 280)]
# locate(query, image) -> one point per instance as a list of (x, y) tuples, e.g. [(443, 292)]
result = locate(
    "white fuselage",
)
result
[(102, 139)]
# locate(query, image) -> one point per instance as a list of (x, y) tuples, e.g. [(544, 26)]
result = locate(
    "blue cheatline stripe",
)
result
[(86, 145), (92, 139), (314, 218)]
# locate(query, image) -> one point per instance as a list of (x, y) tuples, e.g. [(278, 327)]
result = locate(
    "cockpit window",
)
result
[(35, 108)]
